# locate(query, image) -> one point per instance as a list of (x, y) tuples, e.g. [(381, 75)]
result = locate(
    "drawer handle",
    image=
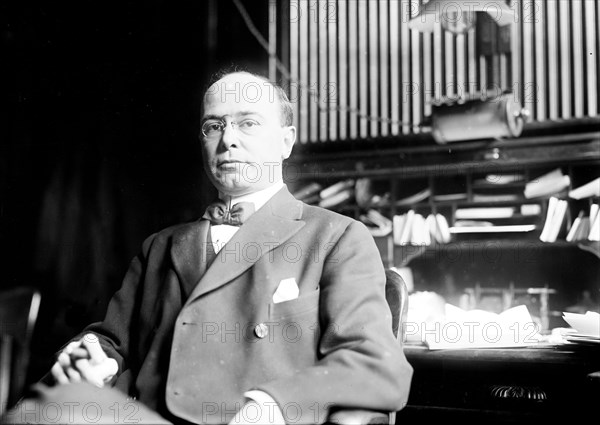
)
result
[(517, 392)]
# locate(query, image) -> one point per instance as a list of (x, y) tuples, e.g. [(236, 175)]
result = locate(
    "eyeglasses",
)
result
[(214, 129)]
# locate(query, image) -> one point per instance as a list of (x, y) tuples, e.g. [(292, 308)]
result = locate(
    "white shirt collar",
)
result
[(257, 198)]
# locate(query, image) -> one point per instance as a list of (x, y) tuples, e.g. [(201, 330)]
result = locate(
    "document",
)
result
[(481, 329)]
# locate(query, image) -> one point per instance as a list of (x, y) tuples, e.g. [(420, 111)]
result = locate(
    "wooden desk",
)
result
[(498, 386)]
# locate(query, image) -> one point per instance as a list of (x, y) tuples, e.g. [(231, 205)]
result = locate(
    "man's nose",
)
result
[(229, 137)]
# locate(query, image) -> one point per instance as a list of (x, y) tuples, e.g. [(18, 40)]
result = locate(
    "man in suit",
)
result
[(266, 310)]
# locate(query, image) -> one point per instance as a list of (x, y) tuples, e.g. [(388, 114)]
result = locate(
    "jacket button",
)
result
[(261, 330)]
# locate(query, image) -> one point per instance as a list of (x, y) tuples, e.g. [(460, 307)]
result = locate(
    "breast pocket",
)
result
[(300, 306), (296, 330)]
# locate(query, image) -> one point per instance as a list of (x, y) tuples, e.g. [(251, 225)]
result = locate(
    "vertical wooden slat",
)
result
[(384, 87), (427, 86), (313, 60), (450, 86), (591, 53), (353, 63), (305, 97), (516, 34), (331, 90), (294, 82), (540, 60), (374, 72), (529, 65), (578, 59), (395, 66), (461, 71), (272, 40), (597, 49), (321, 7), (472, 80), (438, 63), (564, 20), (342, 89), (363, 60), (553, 64), (406, 95), (417, 81)]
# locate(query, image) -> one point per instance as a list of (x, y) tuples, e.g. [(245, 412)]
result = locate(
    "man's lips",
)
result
[(229, 163)]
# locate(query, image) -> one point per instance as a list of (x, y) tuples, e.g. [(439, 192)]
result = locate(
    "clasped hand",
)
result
[(84, 360)]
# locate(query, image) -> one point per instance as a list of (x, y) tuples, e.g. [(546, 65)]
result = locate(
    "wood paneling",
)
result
[(361, 73)]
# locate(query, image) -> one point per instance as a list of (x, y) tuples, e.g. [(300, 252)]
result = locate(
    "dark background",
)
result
[(99, 144)]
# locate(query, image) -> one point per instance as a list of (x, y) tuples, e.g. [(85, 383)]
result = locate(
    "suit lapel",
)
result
[(188, 254), (270, 226)]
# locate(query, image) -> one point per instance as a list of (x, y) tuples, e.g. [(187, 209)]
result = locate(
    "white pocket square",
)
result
[(286, 291)]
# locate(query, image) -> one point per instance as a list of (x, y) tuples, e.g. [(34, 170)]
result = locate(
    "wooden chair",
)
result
[(18, 314), (396, 294)]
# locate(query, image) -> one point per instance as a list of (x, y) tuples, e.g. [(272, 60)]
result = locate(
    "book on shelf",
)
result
[(336, 188), (337, 198), (483, 213), (501, 197), (412, 228), (555, 218), (594, 233), (308, 191), (530, 209), (509, 228), (416, 198), (548, 184), (377, 223), (405, 233), (503, 179), (443, 228), (449, 197), (575, 230), (587, 190)]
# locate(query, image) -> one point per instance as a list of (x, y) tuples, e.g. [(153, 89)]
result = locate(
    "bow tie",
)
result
[(218, 213)]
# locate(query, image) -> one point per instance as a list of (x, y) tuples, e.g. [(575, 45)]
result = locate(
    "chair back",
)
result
[(396, 294), (18, 313)]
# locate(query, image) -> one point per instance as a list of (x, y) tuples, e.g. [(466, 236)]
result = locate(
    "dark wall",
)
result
[(99, 147)]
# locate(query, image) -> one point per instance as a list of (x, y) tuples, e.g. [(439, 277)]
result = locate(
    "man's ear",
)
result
[(289, 138)]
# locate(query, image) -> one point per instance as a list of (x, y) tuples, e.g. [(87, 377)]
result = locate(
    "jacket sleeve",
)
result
[(361, 363), (114, 332)]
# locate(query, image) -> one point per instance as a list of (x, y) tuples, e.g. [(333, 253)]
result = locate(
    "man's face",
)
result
[(246, 156)]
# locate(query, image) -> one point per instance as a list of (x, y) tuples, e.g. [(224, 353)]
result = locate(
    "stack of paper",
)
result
[(555, 217), (549, 184), (378, 224), (587, 190), (337, 193), (586, 327), (481, 329)]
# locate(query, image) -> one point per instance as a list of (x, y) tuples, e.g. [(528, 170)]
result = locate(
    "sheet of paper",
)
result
[(482, 329)]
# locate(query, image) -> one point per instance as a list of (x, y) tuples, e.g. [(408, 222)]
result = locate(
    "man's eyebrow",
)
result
[(246, 113), (212, 117)]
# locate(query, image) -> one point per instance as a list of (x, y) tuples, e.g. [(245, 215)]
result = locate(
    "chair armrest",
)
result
[(358, 417)]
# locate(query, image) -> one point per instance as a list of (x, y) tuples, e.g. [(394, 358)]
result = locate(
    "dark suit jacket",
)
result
[(184, 333)]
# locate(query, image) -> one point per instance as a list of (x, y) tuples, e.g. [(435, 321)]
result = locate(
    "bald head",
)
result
[(245, 86)]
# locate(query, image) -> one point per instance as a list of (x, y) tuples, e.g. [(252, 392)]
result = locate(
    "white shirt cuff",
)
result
[(275, 415)]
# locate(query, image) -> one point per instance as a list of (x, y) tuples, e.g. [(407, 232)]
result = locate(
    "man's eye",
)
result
[(249, 124), (213, 126)]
